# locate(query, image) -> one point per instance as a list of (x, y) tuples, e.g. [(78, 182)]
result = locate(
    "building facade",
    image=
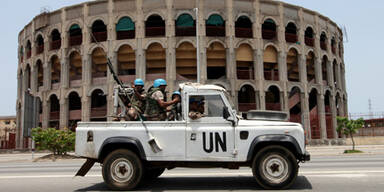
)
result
[(7, 132), (268, 54)]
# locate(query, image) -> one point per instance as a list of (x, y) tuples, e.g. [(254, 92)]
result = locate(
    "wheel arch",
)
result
[(114, 143), (262, 141)]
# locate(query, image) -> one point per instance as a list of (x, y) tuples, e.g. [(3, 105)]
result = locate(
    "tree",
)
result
[(349, 127), (57, 141)]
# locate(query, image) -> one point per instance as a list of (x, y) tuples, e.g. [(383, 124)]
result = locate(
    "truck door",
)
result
[(209, 136)]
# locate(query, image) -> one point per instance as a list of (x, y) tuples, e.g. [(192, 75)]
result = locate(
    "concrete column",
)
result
[(284, 101), (338, 79), (46, 111), (330, 77), (87, 69), (47, 76), (282, 63), (203, 63), (305, 113), (140, 63), (64, 113), (33, 79), (171, 66), (85, 108), (302, 60), (64, 81), (323, 124), (318, 73), (202, 42), (332, 101)]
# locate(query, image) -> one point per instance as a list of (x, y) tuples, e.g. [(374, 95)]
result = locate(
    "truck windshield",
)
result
[(229, 98)]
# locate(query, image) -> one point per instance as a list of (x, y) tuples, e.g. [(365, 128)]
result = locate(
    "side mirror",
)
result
[(226, 114)]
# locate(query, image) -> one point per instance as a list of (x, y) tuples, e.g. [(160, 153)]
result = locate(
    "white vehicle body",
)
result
[(210, 139)]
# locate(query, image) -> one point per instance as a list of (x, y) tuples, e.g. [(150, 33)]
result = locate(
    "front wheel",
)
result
[(275, 167), (122, 170)]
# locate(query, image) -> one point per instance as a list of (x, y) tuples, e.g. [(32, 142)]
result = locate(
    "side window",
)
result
[(205, 106)]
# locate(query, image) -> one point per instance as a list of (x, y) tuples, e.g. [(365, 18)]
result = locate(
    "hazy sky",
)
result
[(363, 51)]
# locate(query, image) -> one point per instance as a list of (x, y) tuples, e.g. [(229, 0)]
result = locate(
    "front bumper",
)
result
[(305, 157)]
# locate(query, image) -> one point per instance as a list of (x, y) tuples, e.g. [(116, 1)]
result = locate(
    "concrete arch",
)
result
[(94, 47), (154, 13), (216, 40), (89, 94), (120, 16), (52, 28), (325, 32), (56, 93), (74, 49), (325, 55), (311, 50), (51, 56), (311, 88), (154, 41), (74, 22), (273, 84), (192, 14), (71, 91), (185, 41), (295, 47), (252, 19), (42, 35), (311, 26), (286, 22), (247, 42), (95, 18), (246, 83), (300, 87), (328, 89), (273, 45), (277, 22), (118, 46), (39, 57), (215, 13)]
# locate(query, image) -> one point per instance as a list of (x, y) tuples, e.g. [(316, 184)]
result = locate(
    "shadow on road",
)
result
[(203, 183)]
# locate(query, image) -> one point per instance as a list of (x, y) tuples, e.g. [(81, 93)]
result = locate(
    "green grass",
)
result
[(353, 151)]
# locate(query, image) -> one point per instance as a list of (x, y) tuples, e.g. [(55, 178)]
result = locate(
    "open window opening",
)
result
[(323, 41), (99, 31), (55, 40), (185, 25), (75, 35), (291, 33), (215, 26), (98, 106), (271, 67), (186, 68), (40, 44), (40, 75), (247, 98), (314, 115), (294, 105), (245, 62), (74, 107), (126, 63), (293, 71), (216, 61), (269, 30), (125, 29), (311, 73), (243, 27), (272, 99), (155, 62), (328, 115), (309, 37), (75, 69), (55, 71), (324, 70), (54, 115), (155, 26), (28, 49), (99, 64)]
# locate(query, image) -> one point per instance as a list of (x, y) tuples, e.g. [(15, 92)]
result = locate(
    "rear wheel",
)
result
[(275, 167), (122, 170)]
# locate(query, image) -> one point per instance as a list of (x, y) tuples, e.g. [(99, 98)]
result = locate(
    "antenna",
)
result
[(45, 9), (345, 34), (370, 108)]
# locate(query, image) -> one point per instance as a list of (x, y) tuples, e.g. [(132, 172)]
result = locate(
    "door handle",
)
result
[(193, 136)]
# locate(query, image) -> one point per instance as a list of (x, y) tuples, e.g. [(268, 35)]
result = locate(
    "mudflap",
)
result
[(85, 167)]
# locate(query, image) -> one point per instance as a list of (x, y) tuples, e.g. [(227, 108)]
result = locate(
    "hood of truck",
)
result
[(243, 122)]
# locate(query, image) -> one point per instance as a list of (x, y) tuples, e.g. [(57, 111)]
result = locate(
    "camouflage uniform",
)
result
[(153, 111), (137, 107)]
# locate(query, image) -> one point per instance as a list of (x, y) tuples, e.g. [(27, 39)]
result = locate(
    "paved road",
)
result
[(323, 173)]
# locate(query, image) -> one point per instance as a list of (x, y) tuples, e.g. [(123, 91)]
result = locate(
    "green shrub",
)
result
[(59, 142)]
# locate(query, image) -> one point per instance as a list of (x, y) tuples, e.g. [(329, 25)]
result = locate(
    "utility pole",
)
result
[(197, 45)]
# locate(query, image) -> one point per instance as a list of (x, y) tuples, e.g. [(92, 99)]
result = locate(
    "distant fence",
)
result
[(374, 124)]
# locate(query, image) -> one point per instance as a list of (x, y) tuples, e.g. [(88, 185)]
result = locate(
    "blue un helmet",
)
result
[(159, 82), (138, 82), (176, 93)]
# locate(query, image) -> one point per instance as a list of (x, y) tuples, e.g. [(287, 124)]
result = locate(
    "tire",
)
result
[(122, 170), (275, 167), (151, 174)]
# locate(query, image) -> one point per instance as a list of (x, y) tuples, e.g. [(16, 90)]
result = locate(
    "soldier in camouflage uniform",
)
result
[(174, 112), (156, 106), (137, 105)]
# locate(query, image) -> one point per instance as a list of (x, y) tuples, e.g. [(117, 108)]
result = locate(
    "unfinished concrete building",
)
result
[(268, 54)]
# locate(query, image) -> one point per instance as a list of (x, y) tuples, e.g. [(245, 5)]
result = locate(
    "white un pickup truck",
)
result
[(132, 151)]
